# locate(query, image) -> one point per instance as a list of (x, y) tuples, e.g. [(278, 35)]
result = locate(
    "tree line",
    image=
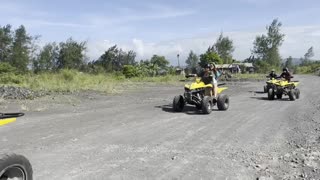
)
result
[(19, 53)]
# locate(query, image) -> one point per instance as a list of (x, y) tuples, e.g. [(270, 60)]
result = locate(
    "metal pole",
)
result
[(178, 55)]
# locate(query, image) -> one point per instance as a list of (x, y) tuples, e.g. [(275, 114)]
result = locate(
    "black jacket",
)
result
[(287, 76), (206, 77), (272, 75)]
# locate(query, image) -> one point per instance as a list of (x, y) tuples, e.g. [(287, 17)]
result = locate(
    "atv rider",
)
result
[(272, 75), (210, 76), (286, 74)]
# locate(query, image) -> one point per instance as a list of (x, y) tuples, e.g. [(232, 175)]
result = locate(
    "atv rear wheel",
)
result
[(15, 167), (297, 93), (223, 102), (270, 94), (291, 95), (206, 105), (279, 96), (178, 103)]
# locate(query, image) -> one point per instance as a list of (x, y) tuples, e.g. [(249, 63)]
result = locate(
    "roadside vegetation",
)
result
[(64, 66), (73, 80)]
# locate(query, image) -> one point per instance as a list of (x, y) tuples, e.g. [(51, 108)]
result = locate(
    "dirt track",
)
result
[(137, 136)]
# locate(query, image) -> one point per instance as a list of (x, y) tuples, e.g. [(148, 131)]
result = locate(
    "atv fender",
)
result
[(220, 90)]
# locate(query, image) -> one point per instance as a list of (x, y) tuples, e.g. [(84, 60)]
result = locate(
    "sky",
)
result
[(167, 27)]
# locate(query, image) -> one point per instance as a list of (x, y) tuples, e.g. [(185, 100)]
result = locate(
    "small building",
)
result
[(236, 67), (232, 68), (246, 67), (180, 71)]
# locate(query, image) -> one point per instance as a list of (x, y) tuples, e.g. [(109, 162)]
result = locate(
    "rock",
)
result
[(287, 155), (11, 92), (264, 178), (281, 157), (303, 175), (174, 158)]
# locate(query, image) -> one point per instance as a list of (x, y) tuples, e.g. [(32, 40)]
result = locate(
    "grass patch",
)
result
[(72, 81), (169, 79), (248, 77)]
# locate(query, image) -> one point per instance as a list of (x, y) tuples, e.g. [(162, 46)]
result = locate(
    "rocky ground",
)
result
[(136, 135)]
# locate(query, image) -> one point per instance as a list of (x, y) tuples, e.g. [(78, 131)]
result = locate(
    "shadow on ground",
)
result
[(266, 99), (190, 110), (257, 92)]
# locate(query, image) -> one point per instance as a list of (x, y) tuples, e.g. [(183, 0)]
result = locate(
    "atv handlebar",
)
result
[(191, 75)]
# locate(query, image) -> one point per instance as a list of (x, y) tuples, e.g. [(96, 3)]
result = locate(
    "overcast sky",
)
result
[(167, 27)]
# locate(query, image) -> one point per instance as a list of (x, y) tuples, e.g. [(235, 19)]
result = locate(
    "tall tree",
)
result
[(114, 59), (47, 59), (160, 61), (128, 58), (224, 47), (289, 63), (108, 59), (267, 46), (71, 54), (20, 49), (210, 57), (307, 56), (192, 60), (5, 43)]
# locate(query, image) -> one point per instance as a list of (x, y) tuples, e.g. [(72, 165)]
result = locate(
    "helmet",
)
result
[(273, 70), (285, 69), (207, 66)]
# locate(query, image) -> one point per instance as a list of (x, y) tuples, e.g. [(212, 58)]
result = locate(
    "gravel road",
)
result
[(136, 135)]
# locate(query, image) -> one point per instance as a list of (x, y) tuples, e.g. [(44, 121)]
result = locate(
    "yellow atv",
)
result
[(282, 87), (13, 166), (198, 94)]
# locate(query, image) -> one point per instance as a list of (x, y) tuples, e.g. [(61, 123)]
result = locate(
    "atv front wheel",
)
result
[(206, 105), (178, 103), (291, 95), (223, 102), (297, 93), (270, 94), (15, 167)]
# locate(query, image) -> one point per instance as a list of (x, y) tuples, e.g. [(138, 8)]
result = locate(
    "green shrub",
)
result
[(10, 78), (264, 67), (130, 71), (96, 69), (68, 75), (7, 68)]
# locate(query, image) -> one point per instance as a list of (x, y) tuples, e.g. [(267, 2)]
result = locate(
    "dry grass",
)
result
[(71, 81)]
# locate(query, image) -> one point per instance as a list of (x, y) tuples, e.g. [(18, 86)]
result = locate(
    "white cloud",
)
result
[(41, 23), (96, 20), (297, 41), (139, 46)]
